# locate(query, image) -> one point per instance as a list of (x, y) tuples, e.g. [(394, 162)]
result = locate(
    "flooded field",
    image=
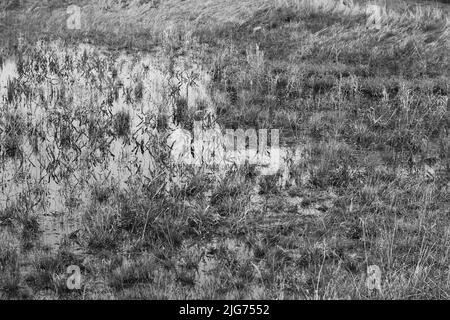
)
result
[(73, 119), (76, 119)]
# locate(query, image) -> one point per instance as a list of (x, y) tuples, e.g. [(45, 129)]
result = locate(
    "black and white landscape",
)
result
[(224, 149)]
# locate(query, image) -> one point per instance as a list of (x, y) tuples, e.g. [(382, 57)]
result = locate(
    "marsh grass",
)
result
[(14, 127), (121, 124), (371, 107)]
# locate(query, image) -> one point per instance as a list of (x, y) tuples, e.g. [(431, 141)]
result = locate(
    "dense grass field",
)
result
[(365, 111)]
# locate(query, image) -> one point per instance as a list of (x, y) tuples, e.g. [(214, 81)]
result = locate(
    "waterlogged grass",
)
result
[(368, 108)]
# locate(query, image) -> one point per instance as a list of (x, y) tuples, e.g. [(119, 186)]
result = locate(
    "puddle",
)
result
[(66, 97)]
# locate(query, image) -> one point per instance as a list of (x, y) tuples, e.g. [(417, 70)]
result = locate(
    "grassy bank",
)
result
[(142, 24), (369, 108)]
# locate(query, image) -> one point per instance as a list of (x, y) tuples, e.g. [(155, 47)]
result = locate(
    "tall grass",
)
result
[(367, 108)]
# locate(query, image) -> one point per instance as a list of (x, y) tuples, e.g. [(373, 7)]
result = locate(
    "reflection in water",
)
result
[(78, 117), (8, 72)]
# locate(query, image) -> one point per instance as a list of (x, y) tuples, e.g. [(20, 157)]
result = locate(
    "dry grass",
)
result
[(144, 23)]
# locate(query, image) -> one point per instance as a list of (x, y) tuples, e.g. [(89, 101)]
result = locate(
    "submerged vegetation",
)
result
[(364, 116)]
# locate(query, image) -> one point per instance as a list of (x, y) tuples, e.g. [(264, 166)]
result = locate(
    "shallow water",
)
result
[(63, 95)]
